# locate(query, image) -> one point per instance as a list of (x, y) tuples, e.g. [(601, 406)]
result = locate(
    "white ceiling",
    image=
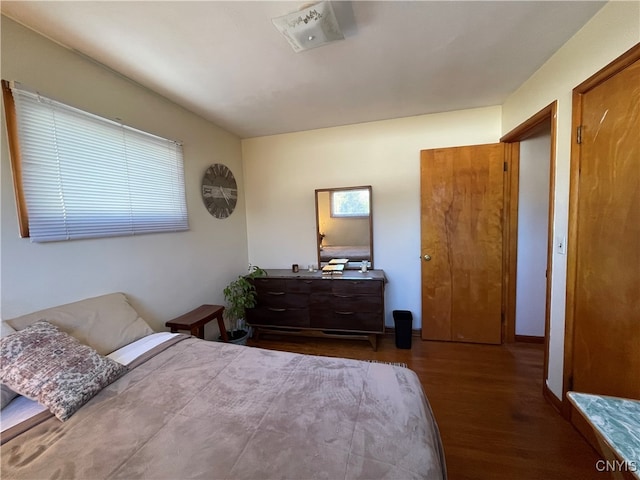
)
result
[(227, 62)]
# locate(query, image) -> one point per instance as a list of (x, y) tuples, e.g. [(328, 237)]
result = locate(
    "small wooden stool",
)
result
[(196, 319)]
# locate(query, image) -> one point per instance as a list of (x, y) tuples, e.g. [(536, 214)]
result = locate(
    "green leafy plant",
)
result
[(240, 295)]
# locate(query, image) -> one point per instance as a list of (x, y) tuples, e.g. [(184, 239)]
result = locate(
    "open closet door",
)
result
[(462, 206)]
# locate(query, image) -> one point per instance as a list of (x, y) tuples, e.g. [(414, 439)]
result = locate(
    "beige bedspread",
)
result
[(209, 410)]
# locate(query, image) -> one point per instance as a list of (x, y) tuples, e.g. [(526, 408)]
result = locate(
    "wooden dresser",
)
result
[(350, 305)]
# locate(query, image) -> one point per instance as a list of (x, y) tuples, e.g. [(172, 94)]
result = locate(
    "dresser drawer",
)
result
[(307, 285), (327, 303), (356, 287), (278, 317), (347, 321), (277, 299), (267, 285)]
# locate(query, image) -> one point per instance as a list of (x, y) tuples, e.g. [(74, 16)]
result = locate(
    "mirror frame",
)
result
[(356, 264)]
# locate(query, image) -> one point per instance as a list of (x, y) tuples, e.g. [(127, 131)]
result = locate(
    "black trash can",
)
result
[(403, 321)]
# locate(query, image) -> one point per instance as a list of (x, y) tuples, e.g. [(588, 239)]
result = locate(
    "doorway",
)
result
[(532, 195), (530, 139), (533, 234)]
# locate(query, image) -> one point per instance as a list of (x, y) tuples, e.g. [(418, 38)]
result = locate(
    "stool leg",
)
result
[(223, 329), (200, 333)]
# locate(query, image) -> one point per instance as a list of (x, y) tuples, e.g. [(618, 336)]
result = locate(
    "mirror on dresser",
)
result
[(344, 227)]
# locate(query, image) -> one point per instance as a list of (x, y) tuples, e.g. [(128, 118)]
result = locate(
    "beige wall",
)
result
[(164, 274), (611, 32), (283, 171)]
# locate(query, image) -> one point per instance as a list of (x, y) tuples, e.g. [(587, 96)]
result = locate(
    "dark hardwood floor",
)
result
[(487, 401)]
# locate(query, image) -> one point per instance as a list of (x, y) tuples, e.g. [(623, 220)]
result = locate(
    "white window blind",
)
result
[(85, 176)]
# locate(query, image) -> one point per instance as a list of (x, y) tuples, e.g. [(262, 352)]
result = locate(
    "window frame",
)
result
[(15, 159)]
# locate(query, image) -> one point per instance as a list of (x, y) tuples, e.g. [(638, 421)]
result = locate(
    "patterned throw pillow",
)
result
[(50, 366), (6, 394)]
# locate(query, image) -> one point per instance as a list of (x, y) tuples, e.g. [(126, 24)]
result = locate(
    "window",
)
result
[(350, 203), (77, 175)]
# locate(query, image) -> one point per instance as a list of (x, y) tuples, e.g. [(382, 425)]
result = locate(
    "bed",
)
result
[(189, 408), (355, 253)]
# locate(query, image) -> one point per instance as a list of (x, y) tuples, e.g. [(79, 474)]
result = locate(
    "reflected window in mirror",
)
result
[(350, 203), (344, 225)]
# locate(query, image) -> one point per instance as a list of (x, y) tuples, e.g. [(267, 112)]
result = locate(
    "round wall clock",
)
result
[(219, 190)]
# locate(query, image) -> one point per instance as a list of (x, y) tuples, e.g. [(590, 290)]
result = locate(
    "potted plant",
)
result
[(240, 295)]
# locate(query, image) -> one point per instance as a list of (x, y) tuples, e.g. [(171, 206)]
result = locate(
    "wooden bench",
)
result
[(195, 320)]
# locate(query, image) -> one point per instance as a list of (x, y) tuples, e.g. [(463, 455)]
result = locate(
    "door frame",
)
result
[(616, 66), (512, 140)]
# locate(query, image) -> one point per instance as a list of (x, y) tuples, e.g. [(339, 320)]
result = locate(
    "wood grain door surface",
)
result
[(606, 342), (462, 202)]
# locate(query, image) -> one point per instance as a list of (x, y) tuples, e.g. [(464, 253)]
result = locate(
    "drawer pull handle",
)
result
[(343, 296), (275, 293), (277, 309), (345, 313)]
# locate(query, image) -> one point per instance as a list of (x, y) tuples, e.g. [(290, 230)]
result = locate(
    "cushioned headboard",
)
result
[(105, 323)]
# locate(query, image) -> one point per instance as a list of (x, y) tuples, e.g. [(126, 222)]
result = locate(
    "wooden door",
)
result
[(605, 258), (462, 243)]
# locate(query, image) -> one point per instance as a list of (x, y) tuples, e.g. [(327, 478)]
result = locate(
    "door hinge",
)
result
[(579, 135), (505, 167)]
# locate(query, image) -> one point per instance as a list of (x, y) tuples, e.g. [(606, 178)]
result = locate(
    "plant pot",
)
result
[(237, 337)]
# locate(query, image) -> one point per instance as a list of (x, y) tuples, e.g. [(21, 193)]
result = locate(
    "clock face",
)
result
[(219, 190)]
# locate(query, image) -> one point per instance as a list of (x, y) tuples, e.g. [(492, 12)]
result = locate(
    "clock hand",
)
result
[(226, 199)]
